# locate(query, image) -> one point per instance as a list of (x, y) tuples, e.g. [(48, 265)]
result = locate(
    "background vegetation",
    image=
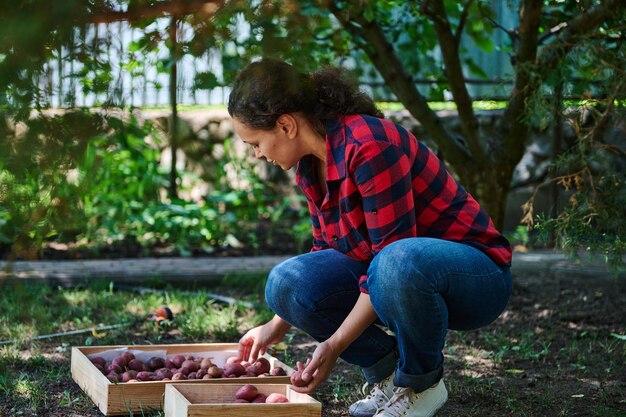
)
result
[(95, 178)]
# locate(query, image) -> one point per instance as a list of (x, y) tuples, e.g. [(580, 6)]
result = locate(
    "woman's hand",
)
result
[(318, 368), (257, 340)]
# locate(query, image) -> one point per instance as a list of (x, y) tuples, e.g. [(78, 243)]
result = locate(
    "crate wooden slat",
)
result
[(187, 400), (122, 398)]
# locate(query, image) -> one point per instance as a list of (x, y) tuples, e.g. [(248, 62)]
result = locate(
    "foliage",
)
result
[(106, 189), (591, 170), (548, 45)]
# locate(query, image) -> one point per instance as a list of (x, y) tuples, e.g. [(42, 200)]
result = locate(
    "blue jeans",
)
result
[(419, 287)]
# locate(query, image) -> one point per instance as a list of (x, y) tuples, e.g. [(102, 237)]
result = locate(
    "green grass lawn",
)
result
[(35, 374)]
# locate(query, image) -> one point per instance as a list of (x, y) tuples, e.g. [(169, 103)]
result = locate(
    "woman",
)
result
[(401, 253)]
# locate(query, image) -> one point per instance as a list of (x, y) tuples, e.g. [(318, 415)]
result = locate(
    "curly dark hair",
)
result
[(268, 88)]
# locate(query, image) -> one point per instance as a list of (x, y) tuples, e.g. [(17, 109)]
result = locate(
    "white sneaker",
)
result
[(378, 396), (406, 403)]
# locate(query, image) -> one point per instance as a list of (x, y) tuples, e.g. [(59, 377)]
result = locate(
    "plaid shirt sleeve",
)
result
[(382, 174)]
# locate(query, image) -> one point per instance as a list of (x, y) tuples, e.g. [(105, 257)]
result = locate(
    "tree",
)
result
[(548, 31), (553, 43), (400, 39)]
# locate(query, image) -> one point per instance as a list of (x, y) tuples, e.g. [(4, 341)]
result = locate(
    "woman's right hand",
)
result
[(257, 340)]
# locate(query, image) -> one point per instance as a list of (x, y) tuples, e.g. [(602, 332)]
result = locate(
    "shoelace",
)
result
[(378, 394), (398, 404)]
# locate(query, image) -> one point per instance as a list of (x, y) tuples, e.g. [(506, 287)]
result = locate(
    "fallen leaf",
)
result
[(280, 346), (97, 334)]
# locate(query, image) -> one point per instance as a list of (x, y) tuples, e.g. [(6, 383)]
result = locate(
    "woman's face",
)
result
[(275, 145)]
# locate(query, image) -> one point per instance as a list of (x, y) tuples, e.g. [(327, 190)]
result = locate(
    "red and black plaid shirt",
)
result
[(383, 185)]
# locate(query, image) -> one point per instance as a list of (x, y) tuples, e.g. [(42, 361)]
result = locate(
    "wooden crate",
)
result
[(212, 400), (122, 398)]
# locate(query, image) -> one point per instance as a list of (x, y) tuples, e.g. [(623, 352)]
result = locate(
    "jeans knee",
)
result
[(276, 288)]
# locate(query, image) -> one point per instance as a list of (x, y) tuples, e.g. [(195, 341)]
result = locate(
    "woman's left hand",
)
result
[(317, 370)]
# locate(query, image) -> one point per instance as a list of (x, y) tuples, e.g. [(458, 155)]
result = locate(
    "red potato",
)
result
[(165, 373), (178, 360), (276, 398), (128, 356), (129, 375), (99, 360), (179, 377), (206, 363), (296, 379), (215, 372), (144, 376), (233, 359), (260, 398), (278, 371), (234, 369), (114, 368), (191, 365), (262, 365), (247, 392), (192, 375), (113, 377), (240, 400), (156, 363), (136, 365), (169, 364), (120, 361)]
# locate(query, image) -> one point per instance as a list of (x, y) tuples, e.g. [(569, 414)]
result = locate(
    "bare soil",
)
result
[(555, 351)]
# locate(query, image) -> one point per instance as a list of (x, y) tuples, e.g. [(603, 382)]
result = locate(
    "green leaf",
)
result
[(205, 81)]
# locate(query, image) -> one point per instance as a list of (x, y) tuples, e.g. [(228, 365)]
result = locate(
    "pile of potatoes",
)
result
[(250, 394), (127, 368)]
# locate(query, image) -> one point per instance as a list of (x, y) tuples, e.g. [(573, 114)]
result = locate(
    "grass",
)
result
[(28, 368), (530, 362)]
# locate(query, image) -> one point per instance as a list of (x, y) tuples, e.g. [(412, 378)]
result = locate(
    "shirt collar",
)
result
[(335, 149), (335, 155)]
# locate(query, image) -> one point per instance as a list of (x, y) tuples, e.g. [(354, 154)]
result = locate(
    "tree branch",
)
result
[(387, 62), (514, 129), (553, 32), (568, 38), (456, 79), (161, 9), (462, 21)]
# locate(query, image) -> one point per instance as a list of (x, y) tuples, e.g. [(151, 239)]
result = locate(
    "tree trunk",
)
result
[(486, 165), (173, 189)]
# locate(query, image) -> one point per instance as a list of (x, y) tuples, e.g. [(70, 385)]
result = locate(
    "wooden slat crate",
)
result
[(124, 398), (211, 400)]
